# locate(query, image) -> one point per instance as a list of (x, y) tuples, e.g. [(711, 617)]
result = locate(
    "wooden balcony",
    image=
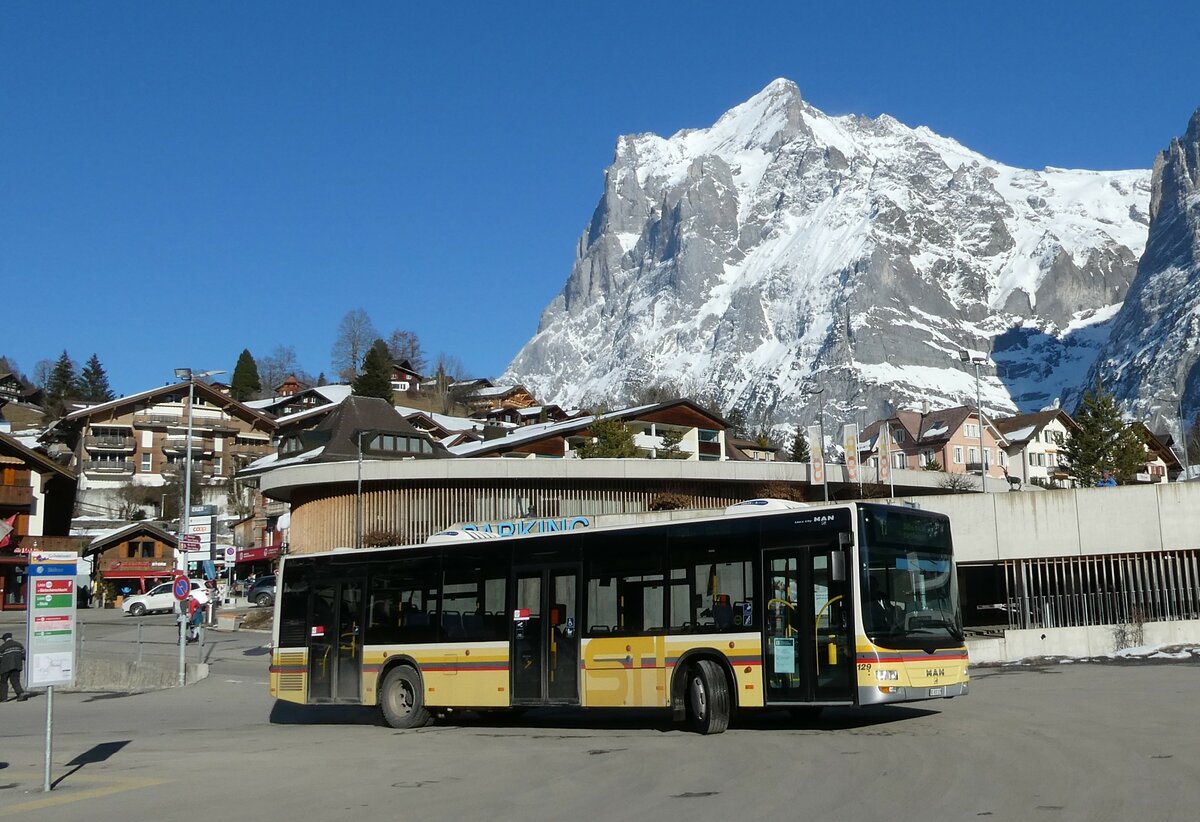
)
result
[(109, 444), (16, 496), (115, 468)]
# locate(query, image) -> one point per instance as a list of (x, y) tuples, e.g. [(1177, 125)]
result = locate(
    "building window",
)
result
[(216, 463), (899, 460), (971, 429), (706, 435), (958, 455), (147, 463), (972, 455), (898, 436)]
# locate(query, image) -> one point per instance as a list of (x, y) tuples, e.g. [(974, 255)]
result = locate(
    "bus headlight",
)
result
[(886, 676)]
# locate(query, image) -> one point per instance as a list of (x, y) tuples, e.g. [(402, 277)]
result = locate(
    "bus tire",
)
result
[(401, 700), (707, 697)]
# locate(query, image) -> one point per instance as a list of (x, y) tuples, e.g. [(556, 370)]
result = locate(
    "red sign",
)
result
[(253, 554), (181, 587), (53, 586)]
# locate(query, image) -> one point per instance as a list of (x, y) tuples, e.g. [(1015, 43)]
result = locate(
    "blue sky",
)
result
[(179, 181)]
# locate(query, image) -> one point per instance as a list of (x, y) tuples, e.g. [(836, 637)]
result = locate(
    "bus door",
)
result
[(545, 636), (807, 637), (335, 641)]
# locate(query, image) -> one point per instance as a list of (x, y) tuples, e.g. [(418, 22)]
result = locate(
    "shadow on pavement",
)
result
[(96, 754), (289, 713), (578, 719)]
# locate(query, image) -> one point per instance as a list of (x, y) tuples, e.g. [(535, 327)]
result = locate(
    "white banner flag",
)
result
[(816, 455), (850, 444), (885, 453)]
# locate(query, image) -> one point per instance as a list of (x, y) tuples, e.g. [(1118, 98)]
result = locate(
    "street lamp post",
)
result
[(1183, 434), (967, 356), (186, 508)]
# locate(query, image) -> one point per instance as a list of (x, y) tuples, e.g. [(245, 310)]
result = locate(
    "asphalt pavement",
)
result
[(1050, 741)]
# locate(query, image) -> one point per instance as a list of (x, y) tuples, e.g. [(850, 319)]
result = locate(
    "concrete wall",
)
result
[(1093, 640), (1071, 522)]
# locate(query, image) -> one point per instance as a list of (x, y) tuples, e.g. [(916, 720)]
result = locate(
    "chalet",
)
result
[(742, 449), (531, 415), (701, 434), (11, 389), (405, 377), (132, 559), (1034, 447), (1162, 464), (948, 437), (143, 439), (290, 386), (499, 396), (37, 497)]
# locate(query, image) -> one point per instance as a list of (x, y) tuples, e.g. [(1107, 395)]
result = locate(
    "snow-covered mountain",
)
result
[(783, 249), (1150, 359)]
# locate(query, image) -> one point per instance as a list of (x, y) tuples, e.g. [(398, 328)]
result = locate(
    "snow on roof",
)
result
[(1020, 434), (273, 460), (940, 431), (495, 391), (532, 432), (446, 421)]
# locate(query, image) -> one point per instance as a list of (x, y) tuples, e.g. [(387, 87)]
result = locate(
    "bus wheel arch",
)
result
[(402, 695), (704, 675)]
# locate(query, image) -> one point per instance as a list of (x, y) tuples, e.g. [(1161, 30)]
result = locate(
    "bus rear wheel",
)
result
[(707, 697), (401, 699)]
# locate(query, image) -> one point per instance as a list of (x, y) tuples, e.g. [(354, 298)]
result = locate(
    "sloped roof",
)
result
[(359, 414), (537, 431), (926, 428), (207, 392), (109, 538), (1014, 428), (37, 461)]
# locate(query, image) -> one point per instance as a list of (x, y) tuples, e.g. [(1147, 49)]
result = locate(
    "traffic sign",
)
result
[(181, 587)]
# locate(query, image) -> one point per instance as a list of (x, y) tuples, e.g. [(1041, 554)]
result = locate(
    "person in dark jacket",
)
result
[(12, 660)]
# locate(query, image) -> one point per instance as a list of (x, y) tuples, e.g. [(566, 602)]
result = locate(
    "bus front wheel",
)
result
[(707, 697), (401, 699)]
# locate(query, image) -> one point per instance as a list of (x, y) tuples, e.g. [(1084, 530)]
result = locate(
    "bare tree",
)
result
[(355, 335), (404, 345), (42, 370), (275, 368)]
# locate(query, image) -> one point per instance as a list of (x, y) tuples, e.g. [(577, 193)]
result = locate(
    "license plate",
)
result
[(936, 691)]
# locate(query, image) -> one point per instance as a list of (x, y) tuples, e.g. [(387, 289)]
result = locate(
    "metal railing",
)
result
[(108, 466), (122, 443)]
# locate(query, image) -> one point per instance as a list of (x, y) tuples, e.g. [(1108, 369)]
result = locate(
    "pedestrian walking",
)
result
[(12, 661)]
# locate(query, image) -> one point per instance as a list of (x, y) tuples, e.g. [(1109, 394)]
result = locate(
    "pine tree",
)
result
[(245, 384), (670, 450), (375, 380), (93, 382), (611, 438), (800, 446), (1103, 442), (61, 384)]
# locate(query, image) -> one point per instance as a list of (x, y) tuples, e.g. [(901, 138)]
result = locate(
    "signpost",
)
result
[(181, 587), (50, 630)]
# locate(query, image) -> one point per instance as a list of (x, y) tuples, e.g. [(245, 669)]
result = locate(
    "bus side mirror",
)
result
[(837, 566)]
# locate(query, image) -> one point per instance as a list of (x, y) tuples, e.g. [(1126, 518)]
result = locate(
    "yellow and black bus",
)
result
[(773, 605)]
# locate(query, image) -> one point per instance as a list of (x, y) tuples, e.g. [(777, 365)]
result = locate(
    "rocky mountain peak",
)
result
[(781, 248)]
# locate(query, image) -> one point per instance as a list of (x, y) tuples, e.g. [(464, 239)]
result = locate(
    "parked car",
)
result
[(262, 592), (158, 598)]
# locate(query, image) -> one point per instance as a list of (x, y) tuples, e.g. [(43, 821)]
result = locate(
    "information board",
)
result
[(50, 631)]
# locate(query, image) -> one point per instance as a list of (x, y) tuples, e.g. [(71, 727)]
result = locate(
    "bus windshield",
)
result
[(910, 589)]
